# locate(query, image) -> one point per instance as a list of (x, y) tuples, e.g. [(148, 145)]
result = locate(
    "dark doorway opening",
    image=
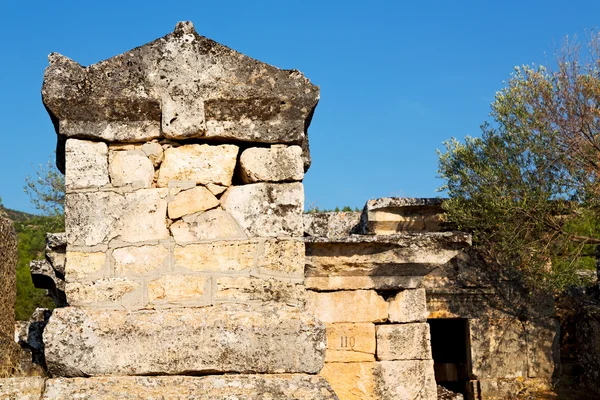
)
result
[(450, 348)]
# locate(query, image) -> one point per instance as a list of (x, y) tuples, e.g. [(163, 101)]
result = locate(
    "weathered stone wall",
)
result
[(8, 265)]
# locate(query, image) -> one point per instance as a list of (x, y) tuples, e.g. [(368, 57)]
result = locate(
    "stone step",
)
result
[(242, 338)]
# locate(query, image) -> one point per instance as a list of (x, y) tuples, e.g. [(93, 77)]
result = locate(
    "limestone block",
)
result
[(186, 85), (348, 342), (215, 387), (209, 225), (8, 266), (403, 342), (256, 338), (400, 214), (283, 257), (95, 218), (334, 225), (247, 288), (202, 164), (108, 292), (216, 189), (267, 209), (385, 380), (348, 306), (179, 289), (542, 347), (86, 164), (216, 256), (81, 265), (406, 254), (142, 260), (30, 388), (276, 164), (130, 168), (192, 201), (154, 152), (56, 247), (329, 283), (44, 276), (408, 306)]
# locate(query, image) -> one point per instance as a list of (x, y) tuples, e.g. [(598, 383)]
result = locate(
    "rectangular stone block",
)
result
[(276, 164), (329, 283), (408, 306), (347, 342), (99, 217), (348, 306), (213, 224), (247, 288), (86, 266), (282, 257), (390, 215), (403, 342), (384, 380), (216, 387), (140, 261), (178, 289), (30, 388), (543, 347), (108, 292), (226, 256), (256, 338), (86, 164)]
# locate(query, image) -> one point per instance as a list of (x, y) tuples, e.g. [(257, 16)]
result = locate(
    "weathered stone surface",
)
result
[(154, 152), (44, 276), (248, 289), (95, 218), (408, 306), (445, 394), (87, 164), (403, 342), (30, 388), (221, 387), (30, 333), (192, 201), (385, 380), (333, 225), (328, 283), (136, 261), (276, 164), (81, 265), (407, 254), (56, 248), (14, 361), (350, 342), (348, 306), (177, 289), (259, 338), (193, 85), (131, 167), (8, 265), (282, 257), (216, 189), (267, 209), (399, 214), (542, 347), (200, 163), (107, 292), (216, 256), (209, 225)]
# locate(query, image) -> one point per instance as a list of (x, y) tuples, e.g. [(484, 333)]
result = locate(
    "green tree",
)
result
[(47, 189), (528, 188)]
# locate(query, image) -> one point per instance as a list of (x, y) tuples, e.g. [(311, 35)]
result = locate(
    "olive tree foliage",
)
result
[(529, 187), (46, 190)]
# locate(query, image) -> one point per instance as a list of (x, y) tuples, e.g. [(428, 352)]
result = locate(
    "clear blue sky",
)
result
[(397, 78)]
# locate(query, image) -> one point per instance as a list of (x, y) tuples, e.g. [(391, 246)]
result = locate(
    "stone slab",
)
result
[(350, 342), (347, 306), (276, 164), (403, 342), (191, 201), (220, 387), (333, 225), (131, 167), (210, 225), (8, 265), (408, 306), (251, 289), (258, 338), (30, 388), (384, 380), (388, 216), (329, 283), (87, 164)]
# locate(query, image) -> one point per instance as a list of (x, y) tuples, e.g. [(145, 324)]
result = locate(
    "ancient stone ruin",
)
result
[(189, 269)]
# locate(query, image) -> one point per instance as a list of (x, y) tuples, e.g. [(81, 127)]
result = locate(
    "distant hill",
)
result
[(17, 216)]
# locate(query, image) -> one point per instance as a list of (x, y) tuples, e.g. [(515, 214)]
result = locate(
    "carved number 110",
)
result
[(347, 342)]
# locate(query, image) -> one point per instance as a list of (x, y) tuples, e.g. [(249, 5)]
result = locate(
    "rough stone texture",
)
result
[(14, 361), (328, 283), (542, 347), (56, 247), (30, 388), (333, 225), (108, 292), (195, 86), (247, 387), (191, 201), (83, 265), (403, 342), (30, 335), (445, 394), (136, 261), (408, 306), (154, 152), (408, 254), (95, 218), (267, 209), (217, 256), (209, 225), (130, 168), (8, 265), (283, 257), (262, 338), (385, 380), (179, 288), (250, 289), (276, 164), (87, 164), (398, 214), (44, 276), (348, 306), (350, 342), (200, 163)]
